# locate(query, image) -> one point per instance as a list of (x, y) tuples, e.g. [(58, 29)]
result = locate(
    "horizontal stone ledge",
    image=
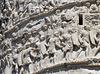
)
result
[(26, 19), (87, 62)]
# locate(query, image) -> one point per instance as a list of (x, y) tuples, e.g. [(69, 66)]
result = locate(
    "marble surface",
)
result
[(49, 36)]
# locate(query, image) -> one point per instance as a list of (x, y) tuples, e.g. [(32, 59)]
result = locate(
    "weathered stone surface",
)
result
[(49, 36)]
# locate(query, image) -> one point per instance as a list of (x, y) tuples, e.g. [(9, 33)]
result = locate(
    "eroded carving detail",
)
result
[(36, 35)]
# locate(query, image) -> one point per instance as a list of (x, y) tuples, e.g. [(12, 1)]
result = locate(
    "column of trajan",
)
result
[(49, 36)]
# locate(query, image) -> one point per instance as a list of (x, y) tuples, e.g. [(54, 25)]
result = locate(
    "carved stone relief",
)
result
[(49, 36)]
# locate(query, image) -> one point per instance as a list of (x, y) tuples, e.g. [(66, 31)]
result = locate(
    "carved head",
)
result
[(57, 33), (63, 24), (45, 27), (54, 25), (93, 8), (88, 4), (42, 37), (5, 11), (19, 47)]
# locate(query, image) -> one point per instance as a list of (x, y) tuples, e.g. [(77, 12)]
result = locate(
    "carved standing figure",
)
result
[(43, 45)]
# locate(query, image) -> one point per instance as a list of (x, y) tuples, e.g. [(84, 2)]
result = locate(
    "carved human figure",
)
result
[(63, 28), (94, 38), (6, 44), (15, 15), (45, 30), (57, 40), (67, 42), (15, 55), (84, 41), (25, 53), (56, 19), (54, 26), (19, 59), (87, 7), (9, 62), (5, 17), (69, 15), (19, 47), (31, 9), (26, 57), (35, 51), (88, 4), (21, 11), (43, 45), (50, 30), (51, 44)]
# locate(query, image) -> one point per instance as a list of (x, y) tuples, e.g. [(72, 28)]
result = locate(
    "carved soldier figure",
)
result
[(43, 45), (84, 41), (51, 44), (57, 40), (67, 43)]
